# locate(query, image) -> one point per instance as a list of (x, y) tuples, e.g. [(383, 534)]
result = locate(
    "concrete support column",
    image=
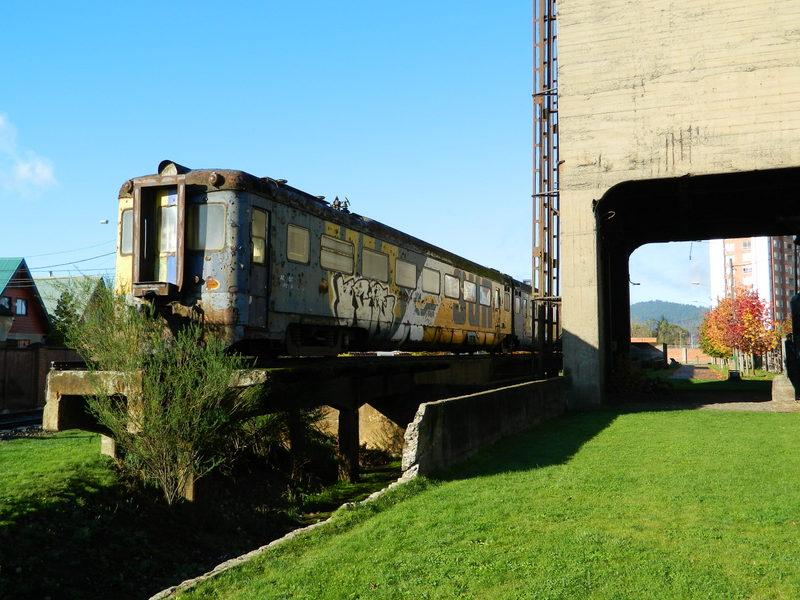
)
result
[(108, 446), (297, 440), (348, 444), (581, 302)]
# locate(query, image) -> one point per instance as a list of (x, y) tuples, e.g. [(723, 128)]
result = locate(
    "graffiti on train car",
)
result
[(364, 302)]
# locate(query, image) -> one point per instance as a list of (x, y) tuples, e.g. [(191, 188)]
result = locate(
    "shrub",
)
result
[(172, 408)]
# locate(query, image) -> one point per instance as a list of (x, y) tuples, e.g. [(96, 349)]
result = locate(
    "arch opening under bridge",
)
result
[(634, 213)]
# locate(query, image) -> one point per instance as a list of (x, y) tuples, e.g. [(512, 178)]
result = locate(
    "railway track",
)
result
[(20, 420)]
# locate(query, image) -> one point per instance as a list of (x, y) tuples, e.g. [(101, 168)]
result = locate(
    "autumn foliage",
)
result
[(738, 323)]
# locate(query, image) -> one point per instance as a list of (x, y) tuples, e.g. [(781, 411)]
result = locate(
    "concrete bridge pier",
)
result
[(673, 125), (348, 445)]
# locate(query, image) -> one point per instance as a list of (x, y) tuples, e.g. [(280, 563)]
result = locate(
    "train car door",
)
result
[(259, 267), (158, 247), (498, 314)]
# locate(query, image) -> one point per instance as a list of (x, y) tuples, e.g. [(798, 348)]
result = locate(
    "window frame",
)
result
[(451, 284), (190, 239), (253, 237), (307, 232), (380, 256), (167, 228), (398, 270), (20, 303), (122, 230), (333, 250), (470, 291), (426, 280), (485, 295)]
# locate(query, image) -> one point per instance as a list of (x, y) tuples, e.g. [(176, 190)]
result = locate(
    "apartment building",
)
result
[(769, 265)]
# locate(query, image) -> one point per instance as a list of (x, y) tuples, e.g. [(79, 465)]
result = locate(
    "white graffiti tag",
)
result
[(364, 302)]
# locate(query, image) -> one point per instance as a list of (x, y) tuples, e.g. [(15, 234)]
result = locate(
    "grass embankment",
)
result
[(69, 529), (684, 504)]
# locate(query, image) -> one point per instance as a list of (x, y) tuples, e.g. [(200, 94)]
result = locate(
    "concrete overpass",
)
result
[(676, 122)]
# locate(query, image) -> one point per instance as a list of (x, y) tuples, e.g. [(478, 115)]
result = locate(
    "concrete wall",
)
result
[(651, 90), (447, 431), (689, 356)]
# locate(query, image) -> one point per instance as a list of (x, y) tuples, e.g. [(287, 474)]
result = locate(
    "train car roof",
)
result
[(200, 181)]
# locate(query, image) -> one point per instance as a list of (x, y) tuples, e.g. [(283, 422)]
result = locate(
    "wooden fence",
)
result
[(23, 376)]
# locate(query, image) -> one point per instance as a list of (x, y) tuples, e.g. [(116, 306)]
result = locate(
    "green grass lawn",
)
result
[(69, 529), (32, 471), (683, 504)]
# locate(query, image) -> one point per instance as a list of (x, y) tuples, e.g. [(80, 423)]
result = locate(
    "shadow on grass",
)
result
[(95, 541), (553, 442), (685, 394)]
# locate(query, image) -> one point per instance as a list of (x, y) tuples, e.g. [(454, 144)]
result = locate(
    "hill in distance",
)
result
[(687, 316)]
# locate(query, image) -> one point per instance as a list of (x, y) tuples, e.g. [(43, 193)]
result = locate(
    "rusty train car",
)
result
[(279, 271)]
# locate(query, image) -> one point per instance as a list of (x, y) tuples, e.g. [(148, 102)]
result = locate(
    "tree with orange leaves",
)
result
[(739, 323)]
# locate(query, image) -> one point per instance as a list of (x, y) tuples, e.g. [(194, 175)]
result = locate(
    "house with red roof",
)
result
[(18, 294)]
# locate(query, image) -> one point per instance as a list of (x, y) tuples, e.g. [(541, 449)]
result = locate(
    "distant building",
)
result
[(767, 265), (18, 293), (82, 290)]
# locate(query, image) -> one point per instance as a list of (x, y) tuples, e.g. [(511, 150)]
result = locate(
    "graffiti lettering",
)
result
[(364, 302)]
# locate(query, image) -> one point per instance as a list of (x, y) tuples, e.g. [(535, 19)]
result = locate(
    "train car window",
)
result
[(168, 228), (258, 233), (375, 265), (205, 227), (126, 233), (431, 281), (405, 273), (297, 244), (507, 301), (517, 304), (486, 295), (470, 291), (336, 255), (451, 286)]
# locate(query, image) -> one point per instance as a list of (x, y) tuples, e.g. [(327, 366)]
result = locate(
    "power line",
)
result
[(68, 251), (74, 262)]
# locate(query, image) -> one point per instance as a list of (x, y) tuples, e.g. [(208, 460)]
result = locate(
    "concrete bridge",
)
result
[(364, 395), (676, 122)]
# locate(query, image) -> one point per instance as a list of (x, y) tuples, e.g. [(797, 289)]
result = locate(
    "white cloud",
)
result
[(21, 170), (35, 171)]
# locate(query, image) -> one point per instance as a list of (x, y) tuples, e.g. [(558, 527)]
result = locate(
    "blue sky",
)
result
[(418, 112), (673, 272)]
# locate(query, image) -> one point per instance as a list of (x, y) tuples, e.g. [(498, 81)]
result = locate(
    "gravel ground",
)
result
[(22, 432)]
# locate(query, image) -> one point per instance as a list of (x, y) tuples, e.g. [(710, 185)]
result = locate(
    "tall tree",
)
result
[(65, 313)]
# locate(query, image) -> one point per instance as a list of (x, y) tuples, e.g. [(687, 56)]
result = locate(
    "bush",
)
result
[(172, 407)]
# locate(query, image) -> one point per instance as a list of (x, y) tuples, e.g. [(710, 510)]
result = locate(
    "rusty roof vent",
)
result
[(168, 167)]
